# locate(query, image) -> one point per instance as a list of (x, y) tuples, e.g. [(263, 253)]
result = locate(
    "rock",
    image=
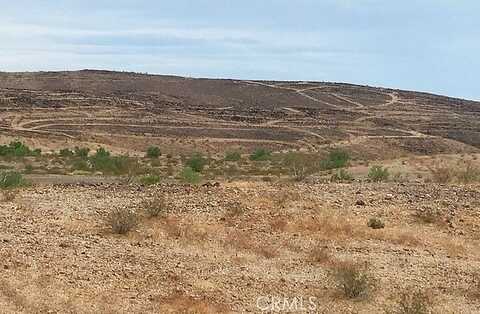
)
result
[(360, 203), (389, 197)]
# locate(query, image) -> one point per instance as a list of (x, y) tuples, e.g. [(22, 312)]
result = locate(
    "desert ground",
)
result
[(263, 197)]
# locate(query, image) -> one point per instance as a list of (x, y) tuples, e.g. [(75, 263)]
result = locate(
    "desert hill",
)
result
[(129, 111)]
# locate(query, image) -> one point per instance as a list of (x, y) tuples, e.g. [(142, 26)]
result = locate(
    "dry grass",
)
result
[(321, 255), (121, 220), (240, 240), (353, 279), (283, 198), (429, 215), (154, 207), (412, 301), (465, 173), (186, 230), (9, 195), (454, 247), (326, 226)]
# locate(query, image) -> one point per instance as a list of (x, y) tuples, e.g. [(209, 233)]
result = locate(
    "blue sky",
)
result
[(422, 45)]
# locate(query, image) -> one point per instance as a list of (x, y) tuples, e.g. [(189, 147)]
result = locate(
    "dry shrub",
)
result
[(241, 240), (320, 255), (442, 174), (412, 301), (283, 197), (187, 230), (326, 226), (235, 209), (353, 279), (9, 195), (376, 223), (467, 173), (429, 215), (155, 207), (454, 248), (121, 220), (267, 251), (405, 239)]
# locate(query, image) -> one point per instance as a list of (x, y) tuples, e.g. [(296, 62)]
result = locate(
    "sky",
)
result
[(423, 45)]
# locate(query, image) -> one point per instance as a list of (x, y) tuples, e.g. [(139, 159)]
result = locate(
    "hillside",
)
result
[(130, 111)]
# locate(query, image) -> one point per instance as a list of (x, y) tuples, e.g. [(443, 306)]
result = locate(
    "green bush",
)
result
[(153, 152), (28, 169), (11, 180), (260, 154), (342, 175), (80, 165), (81, 152), (196, 162), (18, 149), (102, 161), (66, 152), (233, 156), (190, 176), (378, 174), (336, 159), (149, 179)]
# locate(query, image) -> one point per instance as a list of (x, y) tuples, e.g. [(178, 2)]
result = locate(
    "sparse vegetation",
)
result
[(300, 165), (9, 195), (376, 223), (468, 174), (336, 159), (18, 149), (353, 279), (378, 174), (81, 152), (465, 174), (260, 154), (153, 152), (190, 176), (28, 169), (11, 180), (320, 255), (429, 215), (80, 165), (155, 207), (103, 162), (412, 302), (197, 162), (121, 220), (233, 156), (66, 152), (149, 179), (342, 175)]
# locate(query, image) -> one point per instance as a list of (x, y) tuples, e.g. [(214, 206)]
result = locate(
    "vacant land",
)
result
[(131, 111), (130, 193)]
